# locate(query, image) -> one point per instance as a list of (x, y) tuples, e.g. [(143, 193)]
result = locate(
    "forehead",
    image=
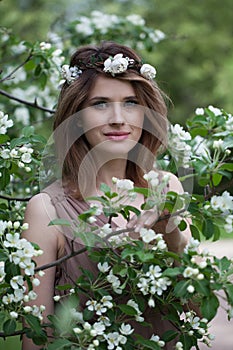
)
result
[(111, 87)]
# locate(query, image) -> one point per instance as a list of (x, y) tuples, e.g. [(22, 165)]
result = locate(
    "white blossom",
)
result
[(148, 71), (147, 235), (136, 19), (106, 300), (116, 65), (215, 110), (190, 272), (99, 328), (16, 282), (77, 330), (190, 289), (5, 123), (45, 46), (103, 267), (223, 202), (218, 144), (192, 246), (26, 158), (91, 304), (124, 185), (3, 226), (199, 111), (126, 329)]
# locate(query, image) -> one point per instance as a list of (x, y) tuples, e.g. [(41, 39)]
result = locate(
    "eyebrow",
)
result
[(108, 98)]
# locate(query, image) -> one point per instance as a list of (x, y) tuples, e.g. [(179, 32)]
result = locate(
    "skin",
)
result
[(112, 122)]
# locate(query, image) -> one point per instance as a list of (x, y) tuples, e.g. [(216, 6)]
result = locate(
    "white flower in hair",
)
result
[(70, 73), (148, 71), (117, 64)]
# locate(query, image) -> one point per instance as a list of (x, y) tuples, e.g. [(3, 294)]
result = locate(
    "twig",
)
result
[(61, 260), (20, 332), (27, 103), (15, 198), (7, 77)]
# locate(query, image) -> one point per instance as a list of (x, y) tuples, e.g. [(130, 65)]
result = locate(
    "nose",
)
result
[(117, 114)]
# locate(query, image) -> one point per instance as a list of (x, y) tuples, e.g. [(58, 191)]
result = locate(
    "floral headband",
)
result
[(113, 65)]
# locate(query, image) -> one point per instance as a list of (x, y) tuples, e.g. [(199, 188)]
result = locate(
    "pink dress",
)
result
[(69, 208)]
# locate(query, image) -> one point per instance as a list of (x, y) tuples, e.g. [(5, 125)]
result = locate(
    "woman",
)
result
[(110, 122)]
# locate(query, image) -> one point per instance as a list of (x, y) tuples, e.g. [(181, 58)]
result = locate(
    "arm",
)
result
[(38, 214)]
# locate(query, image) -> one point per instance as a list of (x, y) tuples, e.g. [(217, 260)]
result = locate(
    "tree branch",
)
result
[(27, 103), (15, 198), (61, 260), (7, 77)]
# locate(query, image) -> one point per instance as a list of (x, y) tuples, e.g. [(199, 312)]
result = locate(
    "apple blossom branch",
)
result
[(105, 239)]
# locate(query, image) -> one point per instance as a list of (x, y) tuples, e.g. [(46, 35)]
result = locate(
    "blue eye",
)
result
[(130, 103), (100, 105)]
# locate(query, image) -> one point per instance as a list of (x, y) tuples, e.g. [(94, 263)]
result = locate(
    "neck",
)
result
[(112, 168)]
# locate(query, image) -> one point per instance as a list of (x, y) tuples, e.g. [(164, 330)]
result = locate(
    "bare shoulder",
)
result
[(40, 204), (174, 183), (39, 213)]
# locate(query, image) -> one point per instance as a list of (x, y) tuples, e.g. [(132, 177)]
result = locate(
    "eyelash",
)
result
[(104, 104)]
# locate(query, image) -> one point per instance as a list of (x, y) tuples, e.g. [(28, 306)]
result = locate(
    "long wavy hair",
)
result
[(73, 154)]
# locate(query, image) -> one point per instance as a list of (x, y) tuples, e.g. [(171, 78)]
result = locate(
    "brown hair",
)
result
[(72, 98)]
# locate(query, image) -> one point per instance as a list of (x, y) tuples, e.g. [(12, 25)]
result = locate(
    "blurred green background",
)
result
[(194, 63)]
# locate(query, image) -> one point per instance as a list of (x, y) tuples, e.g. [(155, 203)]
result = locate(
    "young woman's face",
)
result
[(112, 120)]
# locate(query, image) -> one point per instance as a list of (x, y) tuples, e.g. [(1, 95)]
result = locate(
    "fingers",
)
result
[(147, 219)]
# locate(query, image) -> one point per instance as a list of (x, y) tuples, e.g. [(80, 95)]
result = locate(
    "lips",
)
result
[(117, 135)]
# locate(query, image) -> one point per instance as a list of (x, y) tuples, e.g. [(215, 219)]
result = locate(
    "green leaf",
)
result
[(127, 309), (141, 190), (187, 341), (169, 335), (3, 255), (229, 291), (133, 209), (28, 131), (34, 323), (182, 225), (4, 138), (209, 306), (4, 178), (60, 344), (202, 287), (144, 257), (61, 222), (64, 287), (223, 263), (172, 272), (2, 318), (180, 289), (18, 141), (148, 344), (195, 232), (208, 228), (9, 327), (227, 166), (89, 239), (216, 178)]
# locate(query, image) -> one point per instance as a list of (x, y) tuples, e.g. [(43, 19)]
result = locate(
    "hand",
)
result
[(147, 219)]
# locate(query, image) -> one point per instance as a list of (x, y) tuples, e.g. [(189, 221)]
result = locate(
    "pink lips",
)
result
[(117, 135)]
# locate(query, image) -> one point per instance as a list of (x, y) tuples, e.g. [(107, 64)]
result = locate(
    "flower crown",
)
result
[(113, 65)]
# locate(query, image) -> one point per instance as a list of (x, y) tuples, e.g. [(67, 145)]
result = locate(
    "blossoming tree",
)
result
[(144, 274)]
